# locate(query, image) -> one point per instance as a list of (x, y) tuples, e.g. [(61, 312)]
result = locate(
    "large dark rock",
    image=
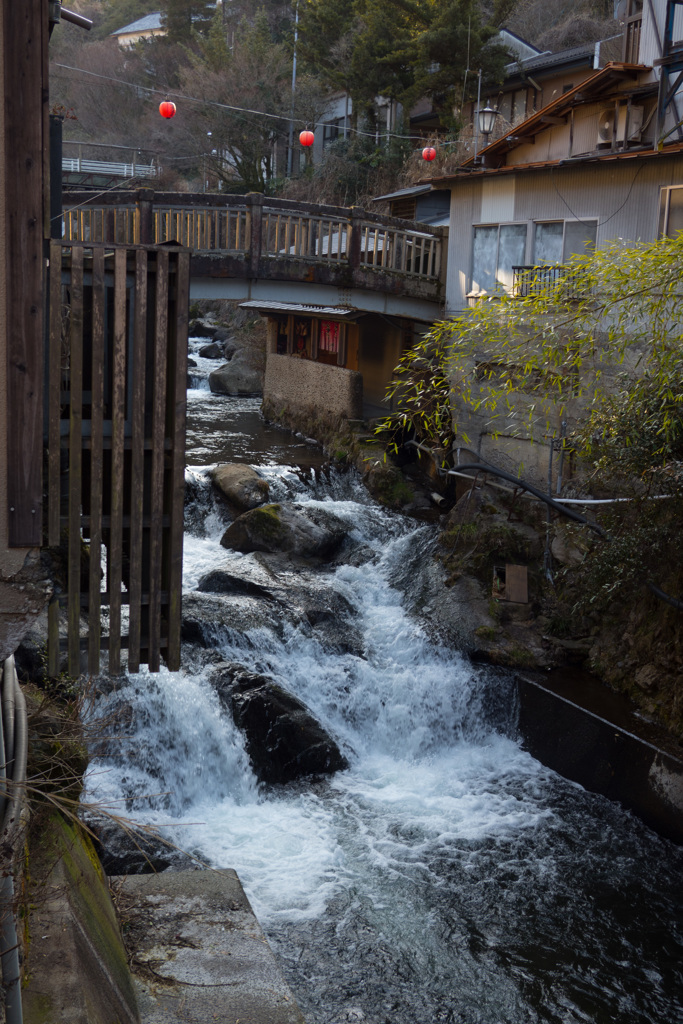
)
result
[(283, 740), (212, 351), (220, 582), (281, 528), (198, 329), (238, 377), (241, 485)]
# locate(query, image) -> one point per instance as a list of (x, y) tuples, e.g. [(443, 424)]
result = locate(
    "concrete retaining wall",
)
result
[(302, 383), (602, 756)]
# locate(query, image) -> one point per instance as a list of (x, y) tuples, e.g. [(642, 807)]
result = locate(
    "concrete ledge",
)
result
[(603, 756), (305, 384), (198, 952), (76, 970)]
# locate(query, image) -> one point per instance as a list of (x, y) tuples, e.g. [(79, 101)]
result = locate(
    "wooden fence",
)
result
[(116, 400), (261, 227)]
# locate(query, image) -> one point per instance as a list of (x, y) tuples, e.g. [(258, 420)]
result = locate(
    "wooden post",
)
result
[(354, 241), (144, 209), (255, 201), (26, 173)]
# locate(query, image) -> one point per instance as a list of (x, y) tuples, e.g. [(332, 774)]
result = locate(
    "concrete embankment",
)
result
[(198, 953), (193, 953), (592, 737)]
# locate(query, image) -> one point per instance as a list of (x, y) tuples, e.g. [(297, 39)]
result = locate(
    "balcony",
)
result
[(530, 280)]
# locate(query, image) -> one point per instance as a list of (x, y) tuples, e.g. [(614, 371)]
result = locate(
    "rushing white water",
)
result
[(447, 875)]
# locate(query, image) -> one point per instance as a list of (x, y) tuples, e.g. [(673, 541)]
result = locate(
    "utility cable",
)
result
[(228, 106)]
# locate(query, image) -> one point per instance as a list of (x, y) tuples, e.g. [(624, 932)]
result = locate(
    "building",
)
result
[(144, 28), (601, 160)]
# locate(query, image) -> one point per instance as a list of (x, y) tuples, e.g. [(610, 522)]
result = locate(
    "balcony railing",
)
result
[(553, 277)]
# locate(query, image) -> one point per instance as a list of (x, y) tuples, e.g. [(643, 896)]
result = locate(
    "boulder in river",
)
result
[(237, 377), (283, 740), (212, 351), (218, 581), (199, 329), (241, 485), (281, 528)]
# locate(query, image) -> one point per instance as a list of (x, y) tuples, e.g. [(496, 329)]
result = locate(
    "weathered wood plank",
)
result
[(53, 400), (135, 585), (75, 457), (173, 577), (96, 459), (115, 553), (24, 67), (158, 428)]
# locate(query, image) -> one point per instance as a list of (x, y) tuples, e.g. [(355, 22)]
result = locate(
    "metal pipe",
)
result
[(9, 941), (76, 19)]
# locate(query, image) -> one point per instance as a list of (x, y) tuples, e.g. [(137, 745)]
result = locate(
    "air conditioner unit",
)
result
[(612, 125)]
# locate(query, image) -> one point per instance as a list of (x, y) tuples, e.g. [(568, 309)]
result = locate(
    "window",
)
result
[(671, 211), (331, 131), (556, 241), (496, 250)]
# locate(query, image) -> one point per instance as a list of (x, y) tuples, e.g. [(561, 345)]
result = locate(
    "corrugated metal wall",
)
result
[(623, 195)]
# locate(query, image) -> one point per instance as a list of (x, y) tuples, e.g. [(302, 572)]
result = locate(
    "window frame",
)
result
[(563, 221), (665, 209), (499, 289)]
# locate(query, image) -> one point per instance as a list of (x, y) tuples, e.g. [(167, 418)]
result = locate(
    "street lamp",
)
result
[(487, 118)]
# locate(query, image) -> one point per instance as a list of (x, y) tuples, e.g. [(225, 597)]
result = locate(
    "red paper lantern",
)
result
[(167, 109), (307, 138), (428, 153)]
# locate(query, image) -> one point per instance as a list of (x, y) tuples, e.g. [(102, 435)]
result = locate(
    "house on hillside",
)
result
[(600, 161), (144, 28)]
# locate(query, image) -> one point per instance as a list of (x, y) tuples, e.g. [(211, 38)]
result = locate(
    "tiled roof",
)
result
[(146, 24)]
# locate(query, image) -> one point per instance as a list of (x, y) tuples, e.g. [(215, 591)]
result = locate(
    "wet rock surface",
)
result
[(283, 739), (241, 485), (282, 528), (238, 377)]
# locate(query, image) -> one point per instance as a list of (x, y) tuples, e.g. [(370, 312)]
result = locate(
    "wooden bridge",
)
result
[(259, 248)]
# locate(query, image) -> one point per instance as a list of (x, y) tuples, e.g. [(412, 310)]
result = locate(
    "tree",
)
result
[(255, 75), (402, 49), (602, 347), (183, 17), (602, 343)]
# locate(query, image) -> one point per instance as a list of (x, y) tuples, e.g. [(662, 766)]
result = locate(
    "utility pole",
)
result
[(290, 152)]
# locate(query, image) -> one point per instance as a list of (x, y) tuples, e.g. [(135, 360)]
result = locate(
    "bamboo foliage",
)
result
[(605, 333)]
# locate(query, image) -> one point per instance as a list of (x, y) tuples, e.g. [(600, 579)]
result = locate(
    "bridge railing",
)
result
[(260, 227)]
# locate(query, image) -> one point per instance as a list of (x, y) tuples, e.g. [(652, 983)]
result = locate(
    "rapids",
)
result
[(447, 875)]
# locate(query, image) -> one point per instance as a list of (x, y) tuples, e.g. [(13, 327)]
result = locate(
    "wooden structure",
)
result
[(24, 40), (116, 397), (259, 228)]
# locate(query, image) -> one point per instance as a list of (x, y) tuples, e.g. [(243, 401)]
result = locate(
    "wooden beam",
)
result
[(25, 155)]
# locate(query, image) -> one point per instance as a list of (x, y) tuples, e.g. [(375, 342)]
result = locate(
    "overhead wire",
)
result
[(228, 106)]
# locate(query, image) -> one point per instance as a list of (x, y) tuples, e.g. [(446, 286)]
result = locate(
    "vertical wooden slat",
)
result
[(178, 393), (54, 397), (137, 461), (96, 459), (158, 425), (117, 443), (53, 637), (75, 458)]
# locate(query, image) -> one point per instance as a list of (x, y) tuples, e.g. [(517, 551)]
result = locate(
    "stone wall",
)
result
[(302, 383)]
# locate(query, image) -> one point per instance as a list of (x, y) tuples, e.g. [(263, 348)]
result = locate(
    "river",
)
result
[(447, 876)]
